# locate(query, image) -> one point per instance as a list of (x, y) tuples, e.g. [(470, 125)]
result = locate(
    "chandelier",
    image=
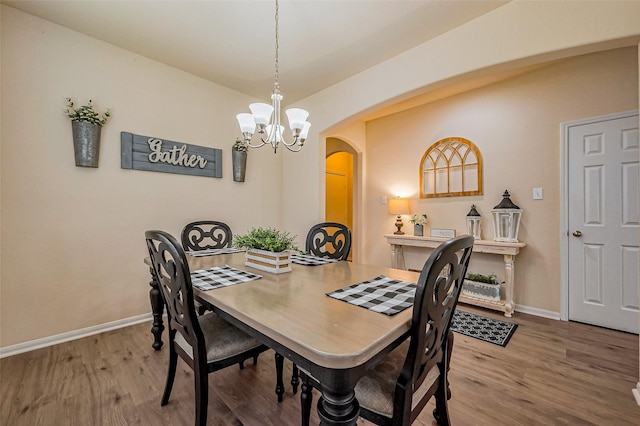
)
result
[(269, 128)]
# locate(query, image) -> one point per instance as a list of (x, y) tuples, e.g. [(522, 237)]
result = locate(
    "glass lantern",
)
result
[(473, 222), (506, 220)]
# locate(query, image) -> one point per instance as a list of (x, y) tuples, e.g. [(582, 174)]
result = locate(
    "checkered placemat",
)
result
[(381, 294), (213, 252), (308, 260), (220, 276)]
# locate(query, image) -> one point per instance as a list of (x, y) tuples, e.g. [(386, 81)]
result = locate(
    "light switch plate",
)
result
[(537, 193)]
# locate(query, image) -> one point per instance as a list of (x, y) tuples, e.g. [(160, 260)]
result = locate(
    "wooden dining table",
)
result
[(331, 339)]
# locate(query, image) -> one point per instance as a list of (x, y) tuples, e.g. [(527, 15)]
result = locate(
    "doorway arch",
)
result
[(341, 183)]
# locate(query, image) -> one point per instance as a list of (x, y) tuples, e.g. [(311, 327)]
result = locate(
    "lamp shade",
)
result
[(247, 123), (297, 117), (261, 112), (399, 206), (305, 130)]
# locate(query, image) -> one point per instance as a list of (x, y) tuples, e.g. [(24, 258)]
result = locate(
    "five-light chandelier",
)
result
[(261, 117)]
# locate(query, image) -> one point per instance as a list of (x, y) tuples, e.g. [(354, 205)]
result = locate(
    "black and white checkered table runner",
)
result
[(308, 260), (220, 276), (381, 294), (213, 252)]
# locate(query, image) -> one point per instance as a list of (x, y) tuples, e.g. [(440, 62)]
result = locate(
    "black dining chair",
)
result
[(395, 390), (329, 239), (207, 343), (205, 235)]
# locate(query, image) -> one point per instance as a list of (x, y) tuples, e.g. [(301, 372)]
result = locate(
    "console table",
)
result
[(508, 250)]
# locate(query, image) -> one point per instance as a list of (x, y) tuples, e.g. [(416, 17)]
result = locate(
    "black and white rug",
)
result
[(483, 328)]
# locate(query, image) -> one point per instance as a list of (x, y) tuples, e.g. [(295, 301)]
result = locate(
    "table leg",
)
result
[(509, 261), (157, 307), (338, 408), (396, 253)]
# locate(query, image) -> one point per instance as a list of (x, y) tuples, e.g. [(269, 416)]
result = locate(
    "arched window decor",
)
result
[(451, 167)]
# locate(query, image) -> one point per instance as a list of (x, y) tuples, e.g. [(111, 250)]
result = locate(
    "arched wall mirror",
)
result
[(451, 167)]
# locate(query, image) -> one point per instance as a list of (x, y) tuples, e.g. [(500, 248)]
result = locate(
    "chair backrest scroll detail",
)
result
[(206, 234), (329, 239)]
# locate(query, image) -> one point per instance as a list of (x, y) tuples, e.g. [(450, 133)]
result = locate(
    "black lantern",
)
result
[(473, 222)]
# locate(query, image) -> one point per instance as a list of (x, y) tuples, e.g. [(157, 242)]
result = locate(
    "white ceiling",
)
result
[(232, 42)]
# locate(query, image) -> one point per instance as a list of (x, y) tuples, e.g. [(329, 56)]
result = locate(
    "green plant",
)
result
[(86, 113), (240, 146), (488, 279), (418, 219), (269, 239)]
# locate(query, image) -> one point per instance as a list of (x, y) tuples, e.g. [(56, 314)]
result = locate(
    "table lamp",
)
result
[(399, 206)]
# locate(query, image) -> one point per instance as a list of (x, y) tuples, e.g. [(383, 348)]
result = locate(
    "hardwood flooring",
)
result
[(550, 373)]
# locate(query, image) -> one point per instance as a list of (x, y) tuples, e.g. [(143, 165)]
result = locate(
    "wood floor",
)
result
[(551, 373)]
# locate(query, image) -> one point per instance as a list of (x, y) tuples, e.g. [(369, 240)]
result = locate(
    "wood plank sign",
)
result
[(160, 155)]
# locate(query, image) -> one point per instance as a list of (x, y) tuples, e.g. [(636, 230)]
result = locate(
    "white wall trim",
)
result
[(564, 196), (72, 335), (537, 312), (636, 392)]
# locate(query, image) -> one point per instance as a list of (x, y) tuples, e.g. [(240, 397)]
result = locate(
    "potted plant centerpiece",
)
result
[(418, 220), (480, 286), (86, 126), (239, 158), (268, 249)]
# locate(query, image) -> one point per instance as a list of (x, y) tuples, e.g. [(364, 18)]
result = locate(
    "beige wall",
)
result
[(73, 238), (516, 126)]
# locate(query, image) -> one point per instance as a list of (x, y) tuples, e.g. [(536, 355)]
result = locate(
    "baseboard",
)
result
[(71, 335), (636, 392), (538, 312)]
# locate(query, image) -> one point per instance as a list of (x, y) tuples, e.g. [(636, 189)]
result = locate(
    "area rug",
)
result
[(483, 328)]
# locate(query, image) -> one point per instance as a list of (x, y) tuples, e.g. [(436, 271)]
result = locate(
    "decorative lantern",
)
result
[(473, 222), (506, 220)]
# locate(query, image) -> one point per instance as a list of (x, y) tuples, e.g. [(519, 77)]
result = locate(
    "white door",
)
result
[(603, 221)]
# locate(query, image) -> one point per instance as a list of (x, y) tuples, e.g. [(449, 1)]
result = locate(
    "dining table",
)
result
[(332, 340)]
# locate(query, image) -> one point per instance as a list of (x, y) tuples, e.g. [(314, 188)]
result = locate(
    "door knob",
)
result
[(577, 234)]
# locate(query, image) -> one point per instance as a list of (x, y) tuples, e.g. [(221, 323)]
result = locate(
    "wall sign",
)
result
[(162, 155)]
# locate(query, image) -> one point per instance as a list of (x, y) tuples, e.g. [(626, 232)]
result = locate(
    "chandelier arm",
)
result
[(248, 141), (289, 147), (292, 143)]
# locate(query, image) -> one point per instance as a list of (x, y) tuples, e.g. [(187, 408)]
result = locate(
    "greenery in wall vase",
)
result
[(86, 126)]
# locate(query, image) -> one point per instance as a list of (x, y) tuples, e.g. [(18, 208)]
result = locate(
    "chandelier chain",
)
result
[(277, 45)]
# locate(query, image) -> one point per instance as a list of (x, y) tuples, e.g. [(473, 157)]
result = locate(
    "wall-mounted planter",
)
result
[(86, 143), (239, 159)]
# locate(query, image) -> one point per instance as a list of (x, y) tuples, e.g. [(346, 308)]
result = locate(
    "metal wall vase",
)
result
[(239, 165), (86, 143)]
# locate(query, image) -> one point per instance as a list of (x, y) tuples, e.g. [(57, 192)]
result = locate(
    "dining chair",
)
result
[(205, 235), (207, 343), (395, 390), (329, 239)]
